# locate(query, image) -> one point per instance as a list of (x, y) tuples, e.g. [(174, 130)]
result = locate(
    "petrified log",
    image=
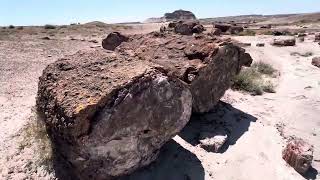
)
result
[(284, 42), (113, 40), (188, 28), (299, 155), (107, 114), (222, 27), (215, 32), (205, 63)]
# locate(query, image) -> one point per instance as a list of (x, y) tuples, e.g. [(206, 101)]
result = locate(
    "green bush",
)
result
[(264, 68), (49, 26)]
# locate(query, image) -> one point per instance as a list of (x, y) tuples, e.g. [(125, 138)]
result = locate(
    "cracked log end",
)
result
[(108, 115)]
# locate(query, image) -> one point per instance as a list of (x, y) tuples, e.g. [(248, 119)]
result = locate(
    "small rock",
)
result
[(215, 32), (299, 155), (316, 61), (244, 44), (49, 56), (45, 38), (284, 42), (301, 39), (260, 44), (317, 37), (301, 35), (113, 40), (162, 29), (93, 41)]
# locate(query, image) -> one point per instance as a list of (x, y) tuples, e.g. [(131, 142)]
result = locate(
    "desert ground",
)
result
[(259, 126)]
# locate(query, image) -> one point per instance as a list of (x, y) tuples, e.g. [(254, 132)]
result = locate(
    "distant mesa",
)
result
[(176, 15)]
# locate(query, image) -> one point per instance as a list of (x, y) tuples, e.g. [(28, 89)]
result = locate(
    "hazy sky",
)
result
[(39, 12)]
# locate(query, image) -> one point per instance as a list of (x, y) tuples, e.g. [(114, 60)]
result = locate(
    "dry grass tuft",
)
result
[(252, 79)]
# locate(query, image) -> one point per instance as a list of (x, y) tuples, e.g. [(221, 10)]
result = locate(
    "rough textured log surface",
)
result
[(299, 155), (206, 63), (187, 28), (284, 42), (113, 40), (108, 115)]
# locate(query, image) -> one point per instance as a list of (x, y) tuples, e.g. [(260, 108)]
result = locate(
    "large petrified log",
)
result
[(206, 63), (107, 114)]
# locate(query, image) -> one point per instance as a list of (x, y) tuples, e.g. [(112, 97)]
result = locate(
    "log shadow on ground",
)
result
[(173, 163), (234, 123)]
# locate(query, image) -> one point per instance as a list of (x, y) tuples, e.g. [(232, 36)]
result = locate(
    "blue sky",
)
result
[(40, 12)]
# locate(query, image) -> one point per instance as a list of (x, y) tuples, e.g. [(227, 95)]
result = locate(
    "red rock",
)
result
[(299, 155)]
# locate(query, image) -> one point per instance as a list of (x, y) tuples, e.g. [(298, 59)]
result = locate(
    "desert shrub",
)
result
[(248, 80), (11, 27), (252, 79), (268, 87), (72, 24), (20, 28), (49, 26), (4, 27), (247, 33), (263, 68), (306, 54), (35, 137)]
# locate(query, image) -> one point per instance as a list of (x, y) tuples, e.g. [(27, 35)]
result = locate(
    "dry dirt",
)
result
[(259, 125)]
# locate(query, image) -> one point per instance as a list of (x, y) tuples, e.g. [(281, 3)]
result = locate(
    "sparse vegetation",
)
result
[(49, 26), (247, 33), (248, 80), (306, 54), (11, 27), (35, 136), (20, 28), (252, 79), (263, 68), (268, 87)]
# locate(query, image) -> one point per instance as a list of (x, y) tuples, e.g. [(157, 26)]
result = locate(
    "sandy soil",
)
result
[(259, 126)]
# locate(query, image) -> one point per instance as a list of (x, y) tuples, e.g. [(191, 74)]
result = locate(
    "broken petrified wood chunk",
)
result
[(284, 42), (299, 155), (188, 28), (108, 115), (113, 40), (207, 64)]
